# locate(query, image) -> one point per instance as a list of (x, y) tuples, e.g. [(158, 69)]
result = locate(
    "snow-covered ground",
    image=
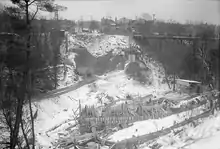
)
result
[(149, 126), (60, 111), (203, 136), (55, 111)]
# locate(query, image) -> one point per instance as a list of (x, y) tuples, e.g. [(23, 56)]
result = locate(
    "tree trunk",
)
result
[(167, 81), (67, 45), (28, 82), (166, 78), (55, 69), (25, 135), (194, 57), (174, 82), (64, 72), (31, 112), (14, 136), (56, 61)]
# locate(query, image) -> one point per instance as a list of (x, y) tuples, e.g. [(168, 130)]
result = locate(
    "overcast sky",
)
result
[(180, 10)]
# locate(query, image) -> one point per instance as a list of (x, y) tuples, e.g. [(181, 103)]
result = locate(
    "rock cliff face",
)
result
[(100, 54), (84, 62), (97, 54), (138, 73)]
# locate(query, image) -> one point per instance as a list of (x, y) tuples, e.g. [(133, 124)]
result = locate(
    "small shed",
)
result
[(186, 82), (190, 85), (58, 33), (132, 53)]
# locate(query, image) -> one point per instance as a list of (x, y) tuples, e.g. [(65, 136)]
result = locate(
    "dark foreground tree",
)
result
[(18, 67)]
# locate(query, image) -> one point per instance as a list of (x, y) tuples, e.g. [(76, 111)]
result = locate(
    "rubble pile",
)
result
[(112, 43), (98, 45)]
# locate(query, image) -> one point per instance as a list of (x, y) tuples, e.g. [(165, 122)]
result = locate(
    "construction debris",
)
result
[(97, 128)]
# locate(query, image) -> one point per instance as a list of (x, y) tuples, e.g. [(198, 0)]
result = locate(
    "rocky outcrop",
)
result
[(139, 73)]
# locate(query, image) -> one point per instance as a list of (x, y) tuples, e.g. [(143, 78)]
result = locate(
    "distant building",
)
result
[(123, 20), (132, 54), (217, 31), (113, 24), (137, 21), (131, 57), (86, 30), (107, 21), (147, 17), (78, 29), (83, 27)]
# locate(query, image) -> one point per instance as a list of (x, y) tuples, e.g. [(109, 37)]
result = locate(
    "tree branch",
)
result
[(32, 2), (35, 14), (8, 123), (24, 134), (2, 142)]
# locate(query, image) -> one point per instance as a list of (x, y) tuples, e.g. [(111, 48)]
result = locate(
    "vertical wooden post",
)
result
[(166, 77)]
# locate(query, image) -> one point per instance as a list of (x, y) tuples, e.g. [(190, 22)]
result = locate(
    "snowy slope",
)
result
[(55, 111), (115, 84), (60, 111), (67, 78), (149, 126), (203, 136)]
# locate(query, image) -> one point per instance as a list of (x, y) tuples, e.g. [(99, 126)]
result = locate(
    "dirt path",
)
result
[(65, 90)]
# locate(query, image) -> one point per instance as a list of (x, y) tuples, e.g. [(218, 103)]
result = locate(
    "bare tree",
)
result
[(19, 73)]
